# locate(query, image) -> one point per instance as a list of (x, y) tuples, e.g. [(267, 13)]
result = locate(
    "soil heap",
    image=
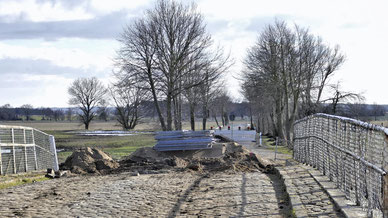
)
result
[(89, 160), (230, 156)]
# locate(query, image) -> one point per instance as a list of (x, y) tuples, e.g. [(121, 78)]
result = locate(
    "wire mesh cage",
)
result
[(24, 149)]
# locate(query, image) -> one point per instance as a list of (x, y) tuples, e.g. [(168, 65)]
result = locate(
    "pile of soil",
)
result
[(89, 160), (222, 157)]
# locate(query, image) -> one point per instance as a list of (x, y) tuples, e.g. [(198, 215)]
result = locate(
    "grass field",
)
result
[(271, 145), (67, 139), (147, 125), (116, 146)]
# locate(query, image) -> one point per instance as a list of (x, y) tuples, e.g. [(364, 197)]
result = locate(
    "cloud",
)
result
[(21, 66), (107, 26), (76, 53), (42, 90), (39, 82), (20, 69), (68, 4)]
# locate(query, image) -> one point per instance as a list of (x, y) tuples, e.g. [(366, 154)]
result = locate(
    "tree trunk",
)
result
[(204, 116), (155, 97), (169, 113), (179, 112), (226, 118), (279, 123), (192, 117), (251, 115), (175, 103), (215, 118)]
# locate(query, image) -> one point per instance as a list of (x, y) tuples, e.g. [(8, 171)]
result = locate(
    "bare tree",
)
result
[(27, 110), (164, 48), (377, 110), (288, 69), (69, 114), (137, 59), (103, 111), (7, 112), (58, 115), (340, 96), (87, 94), (221, 107), (128, 98)]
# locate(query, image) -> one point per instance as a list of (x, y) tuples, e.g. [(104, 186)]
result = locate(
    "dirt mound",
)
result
[(222, 157), (89, 160)]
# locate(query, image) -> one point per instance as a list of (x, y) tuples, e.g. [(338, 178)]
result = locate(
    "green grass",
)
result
[(116, 146), (63, 155), (271, 145), (21, 179), (124, 147)]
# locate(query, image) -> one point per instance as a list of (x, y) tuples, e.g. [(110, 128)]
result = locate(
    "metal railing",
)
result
[(352, 153), (24, 149)]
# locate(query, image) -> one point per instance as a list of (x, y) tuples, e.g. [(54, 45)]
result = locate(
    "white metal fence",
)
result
[(24, 149)]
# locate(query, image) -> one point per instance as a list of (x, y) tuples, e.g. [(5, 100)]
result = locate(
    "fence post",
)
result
[(1, 162), (54, 150), (13, 150), (34, 148), (25, 150), (260, 139), (385, 186), (385, 196), (276, 147)]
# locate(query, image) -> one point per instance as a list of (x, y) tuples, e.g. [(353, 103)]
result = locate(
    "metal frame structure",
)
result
[(24, 149)]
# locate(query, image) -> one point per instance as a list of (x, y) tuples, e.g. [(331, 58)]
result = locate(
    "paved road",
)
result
[(159, 195), (170, 195), (313, 199)]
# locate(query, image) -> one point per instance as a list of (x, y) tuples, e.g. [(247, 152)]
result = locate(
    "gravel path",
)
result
[(158, 195)]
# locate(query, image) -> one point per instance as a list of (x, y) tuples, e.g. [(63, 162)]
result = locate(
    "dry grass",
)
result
[(147, 125), (380, 123), (116, 146), (21, 179)]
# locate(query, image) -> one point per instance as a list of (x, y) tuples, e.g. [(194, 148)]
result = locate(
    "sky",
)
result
[(46, 44)]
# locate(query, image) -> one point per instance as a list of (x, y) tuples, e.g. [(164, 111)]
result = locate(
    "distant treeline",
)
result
[(365, 112), (28, 112), (239, 110)]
